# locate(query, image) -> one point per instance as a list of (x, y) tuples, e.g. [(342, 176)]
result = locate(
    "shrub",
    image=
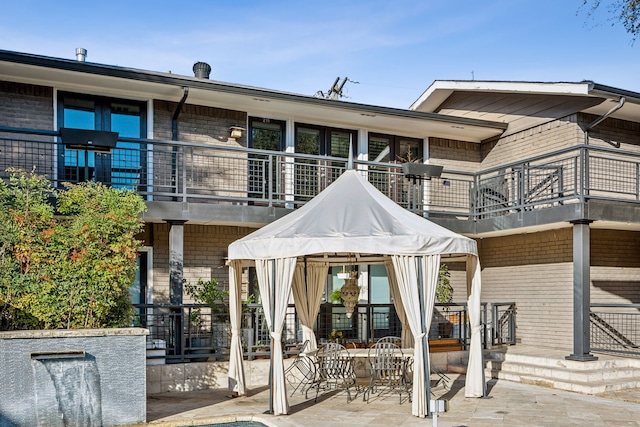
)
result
[(72, 269)]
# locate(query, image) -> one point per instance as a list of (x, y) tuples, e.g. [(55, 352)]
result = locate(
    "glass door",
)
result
[(123, 166)]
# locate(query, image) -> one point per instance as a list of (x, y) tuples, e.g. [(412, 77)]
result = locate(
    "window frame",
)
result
[(394, 146), (102, 122)]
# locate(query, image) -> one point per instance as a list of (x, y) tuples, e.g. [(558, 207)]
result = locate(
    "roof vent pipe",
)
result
[(81, 54), (201, 70)]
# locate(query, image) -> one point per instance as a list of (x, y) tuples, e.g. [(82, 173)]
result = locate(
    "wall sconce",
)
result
[(236, 131)]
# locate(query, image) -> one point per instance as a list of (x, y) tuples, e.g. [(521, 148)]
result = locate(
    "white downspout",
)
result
[(601, 118)]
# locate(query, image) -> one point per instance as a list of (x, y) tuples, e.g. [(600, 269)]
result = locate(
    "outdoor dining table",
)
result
[(362, 360)]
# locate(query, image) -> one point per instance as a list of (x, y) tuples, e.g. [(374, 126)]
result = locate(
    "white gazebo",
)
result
[(349, 220)]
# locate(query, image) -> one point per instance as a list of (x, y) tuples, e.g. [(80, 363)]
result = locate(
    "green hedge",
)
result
[(67, 257)]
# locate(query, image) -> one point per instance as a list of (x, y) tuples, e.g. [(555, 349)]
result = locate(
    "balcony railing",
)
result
[(189, 333), (203, 173), (615, 328)]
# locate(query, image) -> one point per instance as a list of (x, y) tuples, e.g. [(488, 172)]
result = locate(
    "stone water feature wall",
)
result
[(89, 377)]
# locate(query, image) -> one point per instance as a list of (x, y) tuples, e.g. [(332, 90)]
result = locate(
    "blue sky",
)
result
[(395, 49)]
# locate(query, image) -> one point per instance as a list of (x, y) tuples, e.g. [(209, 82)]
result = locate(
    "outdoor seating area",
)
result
[(383, 368)]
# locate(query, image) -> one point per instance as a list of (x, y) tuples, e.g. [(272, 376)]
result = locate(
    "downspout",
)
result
[(585, 156), (176, 228), (174, 120), (602, 118)]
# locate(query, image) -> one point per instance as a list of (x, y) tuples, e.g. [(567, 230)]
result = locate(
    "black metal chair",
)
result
[(334, 366), (387, 370), (442, 377), (301, 374)]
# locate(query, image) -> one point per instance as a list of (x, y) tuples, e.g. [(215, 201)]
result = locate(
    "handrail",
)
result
[(214, 173)]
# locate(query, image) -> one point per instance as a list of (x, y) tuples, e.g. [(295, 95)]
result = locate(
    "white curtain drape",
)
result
[(307, 296), (236, 368), (475, 385), (407, 336), (274, 281), (417, 280)]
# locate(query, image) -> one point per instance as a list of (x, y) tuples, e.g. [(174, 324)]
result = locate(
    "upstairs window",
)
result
[(394, 149), (124, 166)]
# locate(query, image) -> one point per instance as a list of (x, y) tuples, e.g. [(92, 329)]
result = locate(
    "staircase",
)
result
[(533, 366)]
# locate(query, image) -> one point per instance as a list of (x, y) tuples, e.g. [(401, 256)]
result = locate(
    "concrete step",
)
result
[(594, 373), (589, 387), (592, 377)]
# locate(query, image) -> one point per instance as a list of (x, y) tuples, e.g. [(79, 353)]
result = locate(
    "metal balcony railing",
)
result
[(190, 333), (203, 173), (615, 328)]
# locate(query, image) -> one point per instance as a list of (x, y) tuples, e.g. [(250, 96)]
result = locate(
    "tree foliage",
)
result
[(626, 12), (70, 264)]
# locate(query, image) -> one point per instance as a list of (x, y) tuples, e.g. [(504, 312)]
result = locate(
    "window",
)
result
[(312, 176), (123, 167), (394, 149), (391, 149), (264, 134), (384, 320)]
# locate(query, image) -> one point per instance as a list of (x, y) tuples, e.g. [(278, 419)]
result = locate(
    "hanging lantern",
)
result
[(350, 292)]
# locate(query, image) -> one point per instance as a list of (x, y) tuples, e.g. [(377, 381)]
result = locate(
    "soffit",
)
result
[(138, 84), (520, 112), (522, 105)]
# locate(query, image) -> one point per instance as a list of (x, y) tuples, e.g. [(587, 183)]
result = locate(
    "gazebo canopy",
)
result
[(351, 218)]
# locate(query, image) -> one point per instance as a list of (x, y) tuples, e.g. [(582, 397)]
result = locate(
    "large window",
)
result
[(391, 149), (384, 320), (312, 176), (123, 166), (264, 134), (394, 149)]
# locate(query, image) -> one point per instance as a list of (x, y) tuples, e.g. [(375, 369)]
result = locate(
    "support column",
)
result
[(581, 292), (176, 256)]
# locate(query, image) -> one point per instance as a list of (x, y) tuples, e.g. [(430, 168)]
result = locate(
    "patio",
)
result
[(510, 404)]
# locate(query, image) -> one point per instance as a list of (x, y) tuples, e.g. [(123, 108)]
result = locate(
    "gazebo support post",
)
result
[(470, 264), (272, 305), (423, 326)]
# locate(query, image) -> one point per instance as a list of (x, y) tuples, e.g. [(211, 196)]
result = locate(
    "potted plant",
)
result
[(335, 336), (205, 292)]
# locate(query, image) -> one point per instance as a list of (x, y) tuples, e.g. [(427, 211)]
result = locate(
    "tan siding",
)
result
[(455, 155), (544, 301), (532, 142), (209, 174), (552, 246), (613, 132), (615, 266), (31, 107), (205, 250), (535, 271)]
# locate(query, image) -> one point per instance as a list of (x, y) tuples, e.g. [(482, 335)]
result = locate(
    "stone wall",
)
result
[(95, 376)]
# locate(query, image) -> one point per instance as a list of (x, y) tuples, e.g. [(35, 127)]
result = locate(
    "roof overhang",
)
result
[(433, 98), (65, 74)]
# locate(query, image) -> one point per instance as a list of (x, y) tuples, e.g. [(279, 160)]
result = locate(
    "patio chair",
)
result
[(387, 370), (301, 374), (391, 339), (334, 368), (442, 377)]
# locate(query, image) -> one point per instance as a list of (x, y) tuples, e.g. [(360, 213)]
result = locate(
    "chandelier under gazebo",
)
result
[(350, 292)]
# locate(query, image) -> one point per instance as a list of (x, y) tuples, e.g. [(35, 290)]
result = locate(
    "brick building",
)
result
[(543, 175)]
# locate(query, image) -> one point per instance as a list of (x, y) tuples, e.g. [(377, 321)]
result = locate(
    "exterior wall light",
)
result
[(236, 131)]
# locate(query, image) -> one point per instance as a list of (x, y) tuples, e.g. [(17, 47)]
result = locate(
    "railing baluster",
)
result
[(181, 171)]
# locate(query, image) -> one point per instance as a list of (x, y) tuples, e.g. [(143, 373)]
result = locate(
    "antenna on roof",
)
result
[(335, 91)]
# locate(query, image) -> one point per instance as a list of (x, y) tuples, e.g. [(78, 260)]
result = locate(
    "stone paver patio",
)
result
[(509, 404)]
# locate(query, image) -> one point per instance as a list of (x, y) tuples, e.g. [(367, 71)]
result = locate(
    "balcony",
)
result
[(205, 183)]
